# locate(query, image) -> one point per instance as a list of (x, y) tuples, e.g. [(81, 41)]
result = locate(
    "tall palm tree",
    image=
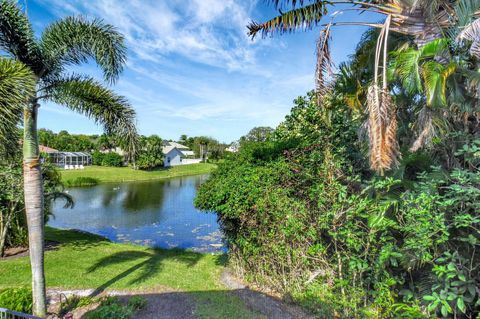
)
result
[(423, 21), (69, 41)]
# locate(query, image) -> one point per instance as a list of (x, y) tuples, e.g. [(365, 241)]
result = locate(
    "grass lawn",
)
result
[(89, 261), (124, 174)]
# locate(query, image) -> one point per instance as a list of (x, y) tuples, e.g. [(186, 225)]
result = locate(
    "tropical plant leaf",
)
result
[(17, 85), (471, 32), (324, 64), (17, 37), (382, 129), (303, 17), (87, 96), (74, 39), (435, 77)]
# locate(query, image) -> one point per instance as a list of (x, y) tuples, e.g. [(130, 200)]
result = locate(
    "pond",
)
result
[(154, 213)]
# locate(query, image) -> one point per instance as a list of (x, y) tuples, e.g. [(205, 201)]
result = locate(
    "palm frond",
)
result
[(289, 3), (17, 85), (324, 64), (435, 77), (74, 39), (17, 37), (382, 130), (471, 32), (425, 129), (304, 17), (465, 12), (87, 96)]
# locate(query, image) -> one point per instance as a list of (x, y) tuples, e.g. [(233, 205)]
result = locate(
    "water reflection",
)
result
[(159, 214)]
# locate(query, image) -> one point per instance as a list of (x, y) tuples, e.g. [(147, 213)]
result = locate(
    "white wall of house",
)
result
[(173, 158), (187, 161)]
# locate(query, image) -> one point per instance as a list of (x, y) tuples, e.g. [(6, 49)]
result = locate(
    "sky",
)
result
[(191, 67)]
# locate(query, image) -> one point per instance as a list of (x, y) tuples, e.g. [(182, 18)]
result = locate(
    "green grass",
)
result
[(89, 261), (126, 174)]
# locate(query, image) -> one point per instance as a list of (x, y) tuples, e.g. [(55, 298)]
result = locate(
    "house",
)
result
[(233, 148), (66, 159), (178, 154)]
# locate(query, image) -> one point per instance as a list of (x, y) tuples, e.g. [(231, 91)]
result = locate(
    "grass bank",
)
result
[(125, 174), (88, 261)]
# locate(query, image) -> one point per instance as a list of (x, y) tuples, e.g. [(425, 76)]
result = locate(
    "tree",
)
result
[(258, 134), (150, 154), (69, 41), (183, 138), (423, 21)]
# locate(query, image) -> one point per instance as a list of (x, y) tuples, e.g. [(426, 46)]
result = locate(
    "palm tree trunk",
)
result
[(33, 186)]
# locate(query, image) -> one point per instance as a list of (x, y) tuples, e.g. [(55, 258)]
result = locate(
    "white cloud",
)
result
[(211, 32)]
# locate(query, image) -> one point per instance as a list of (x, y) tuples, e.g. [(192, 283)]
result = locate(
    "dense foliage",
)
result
[(304, 216), (16, 299), (150, 153), (64, 141), (13, 225)]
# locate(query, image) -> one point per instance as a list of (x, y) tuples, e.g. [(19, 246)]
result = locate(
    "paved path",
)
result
[(170, 304)]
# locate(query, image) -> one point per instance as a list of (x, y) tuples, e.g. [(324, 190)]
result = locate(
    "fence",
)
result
[(9, 314)]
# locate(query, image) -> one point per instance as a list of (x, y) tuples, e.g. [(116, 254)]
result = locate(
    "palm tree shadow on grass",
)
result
[(149, 264)]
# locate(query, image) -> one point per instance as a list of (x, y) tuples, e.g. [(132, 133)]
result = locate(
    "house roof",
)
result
[(167, 149), (46, 149), (178, 145), (187, 152), (181, 148)]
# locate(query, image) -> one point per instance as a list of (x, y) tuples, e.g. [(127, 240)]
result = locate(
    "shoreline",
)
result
[(105, 175)]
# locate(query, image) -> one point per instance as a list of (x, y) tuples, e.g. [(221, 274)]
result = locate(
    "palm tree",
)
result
[(422, 21), (70, 41)]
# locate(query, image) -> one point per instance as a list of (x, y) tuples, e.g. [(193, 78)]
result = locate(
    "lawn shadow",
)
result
[(149, 264), (75, 238)]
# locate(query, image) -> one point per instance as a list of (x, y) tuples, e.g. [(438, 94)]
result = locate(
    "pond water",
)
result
[(154, 213)]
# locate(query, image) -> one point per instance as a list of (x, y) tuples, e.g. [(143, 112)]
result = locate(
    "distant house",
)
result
[(66, 159), (178, 154), (233, 148)]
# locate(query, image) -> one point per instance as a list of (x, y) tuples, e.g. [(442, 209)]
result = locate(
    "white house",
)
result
[(178, 154)]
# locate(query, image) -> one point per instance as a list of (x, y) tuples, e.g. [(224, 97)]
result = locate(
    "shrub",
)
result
[(97, 158), (110, 311), (112, 159), (137, 303), (81, 181), (111, 308), (16, 299), (306, 220), (74, 302)]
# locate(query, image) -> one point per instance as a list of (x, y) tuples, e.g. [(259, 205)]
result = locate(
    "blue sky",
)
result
[(191, 67)]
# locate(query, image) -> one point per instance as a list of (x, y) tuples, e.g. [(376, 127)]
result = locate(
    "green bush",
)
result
[(137, 303), (81, 181), (112, 159), (97, 158), (303, 216), (110, 311), (74, 302), (111, 308), (16, 299)]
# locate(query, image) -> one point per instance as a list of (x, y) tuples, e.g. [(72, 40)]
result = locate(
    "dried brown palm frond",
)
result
[(382, 122), (425, 130), (382, 130), (324, 64)]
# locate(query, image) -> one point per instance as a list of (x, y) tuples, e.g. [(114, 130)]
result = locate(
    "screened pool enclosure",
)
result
[(70, 159)]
